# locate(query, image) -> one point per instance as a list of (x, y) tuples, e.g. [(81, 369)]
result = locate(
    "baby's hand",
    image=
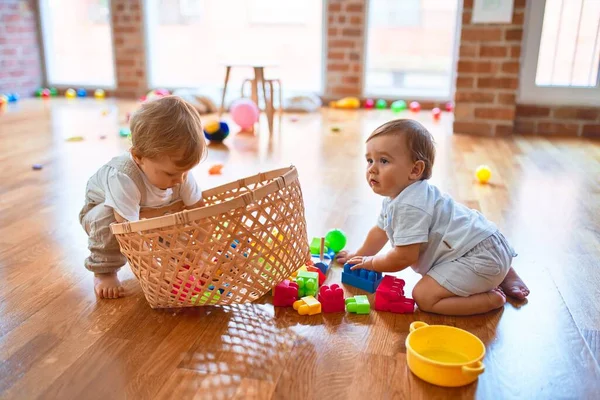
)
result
[(361, 262), (343, 256)]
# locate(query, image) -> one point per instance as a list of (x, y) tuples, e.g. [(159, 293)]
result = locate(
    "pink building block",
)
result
[(332, 299), (390, 296), (285, 294)]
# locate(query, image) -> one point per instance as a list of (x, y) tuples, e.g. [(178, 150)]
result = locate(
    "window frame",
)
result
[(529, 92)]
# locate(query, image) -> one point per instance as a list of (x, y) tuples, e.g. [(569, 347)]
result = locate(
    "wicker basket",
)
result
[(249, 237)]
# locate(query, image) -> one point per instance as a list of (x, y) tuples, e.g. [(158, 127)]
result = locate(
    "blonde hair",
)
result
[(419, 141), (168, 126)]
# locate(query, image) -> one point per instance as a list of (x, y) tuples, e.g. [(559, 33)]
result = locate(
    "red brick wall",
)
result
[(130, 54), (558, 120), (345, 48), (488, 74), (20, 62)]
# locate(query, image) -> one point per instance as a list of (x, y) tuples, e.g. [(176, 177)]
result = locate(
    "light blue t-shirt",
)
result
[(421, 213)]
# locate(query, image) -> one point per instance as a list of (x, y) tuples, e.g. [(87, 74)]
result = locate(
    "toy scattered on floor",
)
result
[(81, 92), (369, 104), (105, 112), (415, 106), (398, 106), (45, 93), (75, 139), (285, 294), (336, 129), (307, 305), (216, 131), (37, 167), (155, 94), (436, 113), (317, 270), (295, 273), (381, 104), (449, 106), (483, 173), (70, 93), (244, 113), (215, 169), (3, 99), (12, 97), (99, 94), (53, 92), (183, 290), (124, 132), (347, 103), (308, 283), (390, 296), (336, 240), (358, 304), (332, 299), (38, 92), (361, 278)]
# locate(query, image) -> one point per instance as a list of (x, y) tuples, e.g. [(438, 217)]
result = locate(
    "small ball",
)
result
[(53, 92), (81, 92), (38, 93), (211, 127), (381, 104), (436, 113), (415, 106), (336, 239), (398, 106), (99, 94), (369, 104), (218, 135), (70, 93), (124, 132), (483, 173), (13, 97), (46, 93), (449, 106)]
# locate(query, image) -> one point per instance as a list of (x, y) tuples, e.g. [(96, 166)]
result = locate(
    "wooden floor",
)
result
[(58, 341)]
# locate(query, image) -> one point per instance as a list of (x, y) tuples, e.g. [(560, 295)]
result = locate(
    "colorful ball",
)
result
[(436, 113), (244, 113), (449, 106), (3, 99), (38, 93), (483, 174), (70, 93), (46, 93), (53, 92), (81, 92), (415, 106), (398, 105), (336, 240), (124, 132), (369, 104), (156, 94), (13, 97), (216, 131), (99, 94), (381, 104)]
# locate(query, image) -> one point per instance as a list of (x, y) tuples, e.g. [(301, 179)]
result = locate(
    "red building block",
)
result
[(390, 296), (285, 294), (322, 276), (332, 299)]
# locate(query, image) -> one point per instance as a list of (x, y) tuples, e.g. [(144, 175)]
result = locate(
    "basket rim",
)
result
[(282, 177)]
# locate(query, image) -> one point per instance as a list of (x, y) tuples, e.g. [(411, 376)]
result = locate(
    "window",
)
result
[(411, 46), (78, 42), (191, 51), (562, 53)]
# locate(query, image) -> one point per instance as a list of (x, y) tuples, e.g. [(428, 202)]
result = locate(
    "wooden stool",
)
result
[(272, 85)]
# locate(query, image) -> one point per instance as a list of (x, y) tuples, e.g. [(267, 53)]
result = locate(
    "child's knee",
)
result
[(423, 298)]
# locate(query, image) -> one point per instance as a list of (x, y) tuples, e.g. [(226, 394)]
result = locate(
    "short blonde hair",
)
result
[(168, 126), (419, 141)]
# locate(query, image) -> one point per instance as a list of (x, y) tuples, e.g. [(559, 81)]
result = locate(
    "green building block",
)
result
[(315, 246), (358, 304), (308, 283)]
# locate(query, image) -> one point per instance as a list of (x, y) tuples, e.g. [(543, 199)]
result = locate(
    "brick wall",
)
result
[(130, 53), (488, 74), (345, 48), (558, 120), (20, 62)]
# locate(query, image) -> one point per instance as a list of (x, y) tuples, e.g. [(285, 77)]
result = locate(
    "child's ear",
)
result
[(417, 170), (135, 155)]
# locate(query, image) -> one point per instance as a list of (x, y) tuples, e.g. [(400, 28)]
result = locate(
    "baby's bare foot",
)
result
[(497, 298), (108, 286), (514, 286)]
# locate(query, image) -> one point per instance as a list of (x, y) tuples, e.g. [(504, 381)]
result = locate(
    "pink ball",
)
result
[(415, 106), (437, 113), (369, 104), (244, 113), (449, 106)]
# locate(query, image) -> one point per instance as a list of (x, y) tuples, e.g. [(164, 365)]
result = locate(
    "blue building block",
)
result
[(361, 278), (322, 265)]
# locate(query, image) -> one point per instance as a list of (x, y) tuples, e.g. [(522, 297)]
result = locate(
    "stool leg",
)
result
[(268, 103), (222, 109)]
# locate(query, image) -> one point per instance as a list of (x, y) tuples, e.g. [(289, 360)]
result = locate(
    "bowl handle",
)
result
[(475, 370), (417, 324)]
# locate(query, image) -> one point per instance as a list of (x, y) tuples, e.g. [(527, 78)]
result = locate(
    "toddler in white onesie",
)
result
[(167, 141), (465, 261)]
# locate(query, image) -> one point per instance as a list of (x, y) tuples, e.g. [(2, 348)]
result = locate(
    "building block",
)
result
[(295, 273), (323, 264), (307, 305), (358, 304), (308, 283), (313, 268), (332, 299), (361, 278), (315, 246), (285, 294), (390, 296)]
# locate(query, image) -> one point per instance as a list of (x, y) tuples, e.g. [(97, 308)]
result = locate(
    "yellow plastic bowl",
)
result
[(444, 355)]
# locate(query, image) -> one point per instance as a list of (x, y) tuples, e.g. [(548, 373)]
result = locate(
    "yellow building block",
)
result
[(307, 305)]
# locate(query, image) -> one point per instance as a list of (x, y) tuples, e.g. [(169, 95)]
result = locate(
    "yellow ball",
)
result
[(99, 94), (483, 173), (70, 94), (211, 127)]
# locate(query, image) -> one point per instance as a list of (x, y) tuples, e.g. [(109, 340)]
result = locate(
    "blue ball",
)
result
[(219, 135), (81, 92), (13, 97)]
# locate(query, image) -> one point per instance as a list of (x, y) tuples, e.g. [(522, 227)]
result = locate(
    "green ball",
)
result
[(53, 92), (38, 93), (336, 239), (398, 105), (124, 132), (381, 104)]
